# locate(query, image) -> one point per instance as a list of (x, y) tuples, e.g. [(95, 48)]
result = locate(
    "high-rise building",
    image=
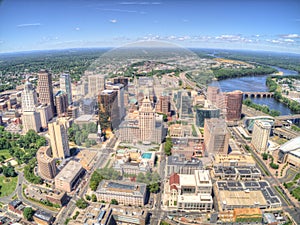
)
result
[(216, 136), (120, 90), (146, 120), (96, 84), (65, 86), (45, 112), (164, 105), (109, 118), (46, 163), (73, 112), (122, 80), (185, 106), (31, 121), (45, 90), (206, 113), (61, 103), (59, 140), (30, 118), (260, 135), (29, 98), (212, 94), (234, 101)]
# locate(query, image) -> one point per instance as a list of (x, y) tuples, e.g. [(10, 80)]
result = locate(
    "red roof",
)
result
[(174, 179)]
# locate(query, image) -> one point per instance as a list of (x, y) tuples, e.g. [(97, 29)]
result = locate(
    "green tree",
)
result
[(87, 197), (81, 204), (94, 198), (114, 202), (28, 213)]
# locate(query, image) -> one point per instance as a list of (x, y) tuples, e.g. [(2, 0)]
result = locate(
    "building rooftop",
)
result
[(181, 161), (84, 118), (69, 171), (15, 203), (120, 186), (291, 145), (43, 215)]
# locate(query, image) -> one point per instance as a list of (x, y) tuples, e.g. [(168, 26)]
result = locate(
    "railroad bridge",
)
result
[(258, 94)]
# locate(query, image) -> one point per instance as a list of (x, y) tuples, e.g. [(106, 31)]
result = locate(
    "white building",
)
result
[(96, 84), (260, 135), (190, 191)]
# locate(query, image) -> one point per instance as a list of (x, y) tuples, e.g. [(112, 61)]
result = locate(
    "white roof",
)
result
[(291, 145)]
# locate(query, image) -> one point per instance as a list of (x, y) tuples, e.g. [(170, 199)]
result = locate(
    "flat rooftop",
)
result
[(68, 173)]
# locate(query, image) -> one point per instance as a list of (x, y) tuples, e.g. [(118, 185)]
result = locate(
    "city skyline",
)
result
[(246, 25)]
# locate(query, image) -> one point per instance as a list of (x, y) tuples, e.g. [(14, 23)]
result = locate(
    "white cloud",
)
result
[(291, 36), (29, 25), (113, 21), (289, 40), (77, 28)]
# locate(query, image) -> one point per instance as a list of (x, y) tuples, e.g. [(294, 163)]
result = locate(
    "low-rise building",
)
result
[(238, 173), (180, 165), (68, 177), (245, 194), (43, 218), (189, 191), (244, 160), (127, 193), (289, 152), (16, 206)]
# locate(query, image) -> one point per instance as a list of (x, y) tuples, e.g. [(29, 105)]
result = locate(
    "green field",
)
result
[(296, 193), (5, 154), (7, 185)]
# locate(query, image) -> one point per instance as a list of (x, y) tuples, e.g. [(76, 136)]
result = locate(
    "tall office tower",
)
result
[(59, 140), (120, 90), (31, 121), (212, 94), (216, 136), (146, 120), (206, 113), (46, 164), (185, 106), (73, 112), (164, 105), (30, 118), (109, 118), (122, 80), (234, 101), (61, 103), (29, 98), (45, 90), (96, 84), (45, 112), (260, 135), (65, 86)]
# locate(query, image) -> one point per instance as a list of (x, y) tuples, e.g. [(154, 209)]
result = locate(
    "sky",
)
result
[(264, 25)]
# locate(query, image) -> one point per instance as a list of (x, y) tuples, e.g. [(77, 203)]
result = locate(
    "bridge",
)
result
[(288, 117), (258, 94)]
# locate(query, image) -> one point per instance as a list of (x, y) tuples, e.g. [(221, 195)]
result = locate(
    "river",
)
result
[(255, 84)]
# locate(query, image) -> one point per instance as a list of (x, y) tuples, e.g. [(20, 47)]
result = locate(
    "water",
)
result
[(256, 84)]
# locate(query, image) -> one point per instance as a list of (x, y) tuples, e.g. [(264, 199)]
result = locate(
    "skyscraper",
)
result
[(216, 136), (61, 103), (59, 140), (146, 120), (164, 105), (65, 86), (120, 90), (30, 118), (234, 101), (206, 113), (29, 98), (212, 94), (185, 106), (45, 90), (96, 84), (109, 118), (260, 135)]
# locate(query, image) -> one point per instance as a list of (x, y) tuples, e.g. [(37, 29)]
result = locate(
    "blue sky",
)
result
[(272, 25)]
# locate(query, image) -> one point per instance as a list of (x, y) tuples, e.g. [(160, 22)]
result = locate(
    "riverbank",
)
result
[(272, 84)]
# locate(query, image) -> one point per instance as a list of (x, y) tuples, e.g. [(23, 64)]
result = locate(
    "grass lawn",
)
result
[(5, 153), (296, 193), (8, 185)]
